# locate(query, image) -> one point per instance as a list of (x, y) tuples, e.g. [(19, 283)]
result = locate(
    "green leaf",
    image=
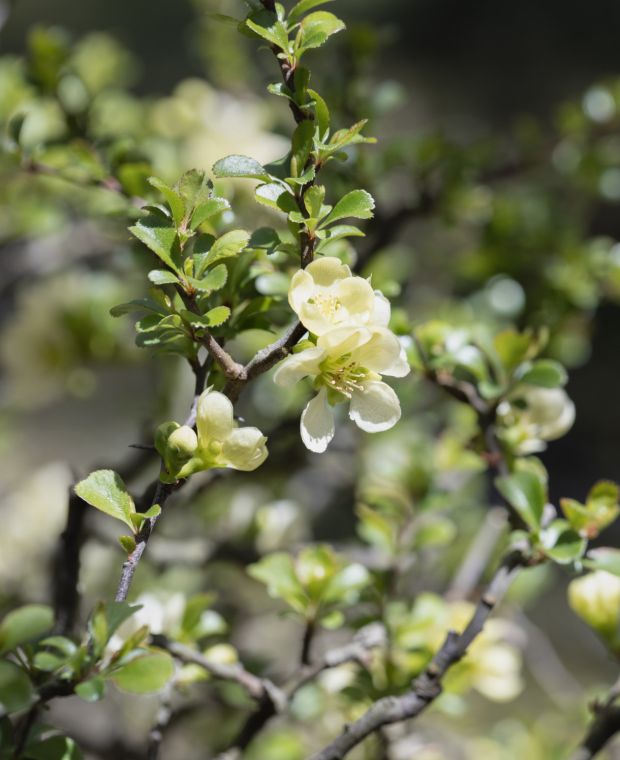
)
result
[(147, 673), (162, 277), (139, 304), (208, 209), (303, 6), (268, 194), (545, 373), (273, 31), (215, 279), (105, 490), (512, 347), (566, 547), (174, 200), (60, 643), (321, 112), (128, 543), (240, 166), (350, 136), (16, 691), (228, 245), (160, 237), (55, 748), (25, 624), (358, 204), (302, 145), (92, 690), (313, 200), (315, 29), (277, 572), (217, 316), (604, 558), (526, 492)]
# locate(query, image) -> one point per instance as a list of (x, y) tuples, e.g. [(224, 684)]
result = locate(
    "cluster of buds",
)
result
[(348, 350), (218, 442)]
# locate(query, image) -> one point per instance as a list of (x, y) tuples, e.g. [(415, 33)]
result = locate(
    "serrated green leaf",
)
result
[(159, 237), (266, 26), (206, 210), (105, 490), (16, 691), (25, 624), (567, 546), (526, 492), (162, 277), (144, 674), (228, 245), (240, 166), (172, 197), (350, 136), (315, 29), (215, 279), (217, 316), (358, 204)]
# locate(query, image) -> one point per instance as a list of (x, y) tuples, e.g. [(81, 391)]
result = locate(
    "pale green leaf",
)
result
[(105, 490)]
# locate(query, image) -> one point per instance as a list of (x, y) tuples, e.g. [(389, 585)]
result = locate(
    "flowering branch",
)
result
[(427, 687)]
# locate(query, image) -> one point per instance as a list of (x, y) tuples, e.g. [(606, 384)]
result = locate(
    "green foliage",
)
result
[(315, 584), (24, 625)]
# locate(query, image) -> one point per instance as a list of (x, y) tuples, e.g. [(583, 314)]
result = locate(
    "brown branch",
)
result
[(604, 727), (66, 563), (427, 687), (257, 688)]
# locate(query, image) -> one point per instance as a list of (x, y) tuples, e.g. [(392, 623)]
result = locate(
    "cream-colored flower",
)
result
[(325, 295), (220, 441), (347, 365), (549, 414), (595, 597)]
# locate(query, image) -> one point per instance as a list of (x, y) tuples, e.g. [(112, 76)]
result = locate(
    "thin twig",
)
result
[(427, 687)]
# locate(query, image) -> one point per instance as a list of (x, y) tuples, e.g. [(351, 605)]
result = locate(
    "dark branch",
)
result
[(604, 727)]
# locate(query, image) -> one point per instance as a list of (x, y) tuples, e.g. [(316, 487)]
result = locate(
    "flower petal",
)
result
[(357, 297), (297, 366), (245, 449), (301, 289), (326, 270), (214, 417), (381, 352), (381, 310), (375, 408), (400, 367), (317, 423)]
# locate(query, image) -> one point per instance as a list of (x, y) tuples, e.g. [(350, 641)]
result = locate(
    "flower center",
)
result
[(343, 375), (329, 305)]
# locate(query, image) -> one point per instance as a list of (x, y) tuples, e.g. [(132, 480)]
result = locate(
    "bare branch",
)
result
[(256, 687)]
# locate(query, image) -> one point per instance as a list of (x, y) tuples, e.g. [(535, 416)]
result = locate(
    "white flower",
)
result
[(326, 295), (347, 364), (549, 414), (221, 442)]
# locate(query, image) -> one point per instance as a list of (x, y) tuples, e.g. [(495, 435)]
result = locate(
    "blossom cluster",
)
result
[(218, 442), (348, 350)]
